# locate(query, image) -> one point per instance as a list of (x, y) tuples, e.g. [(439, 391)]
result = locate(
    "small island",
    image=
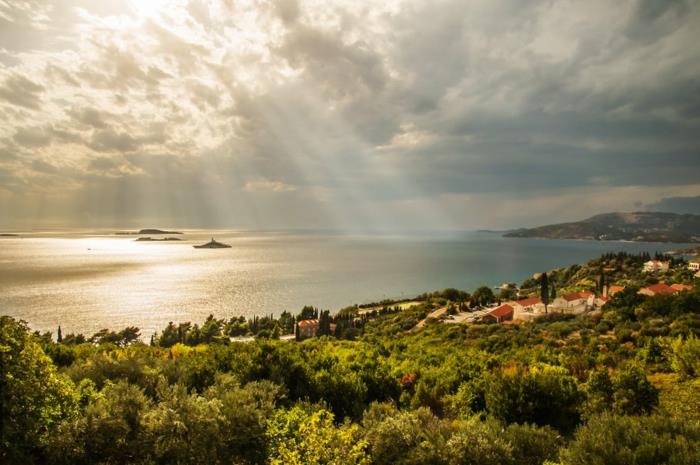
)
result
[(147, 231), (9, 235), (212, 245), (151, 239)]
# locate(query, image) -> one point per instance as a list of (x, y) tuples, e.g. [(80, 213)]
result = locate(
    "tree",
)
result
[(544, 396), (621, 440), (183, 428), (483, 296), (634, 394), (299, 437), (307, 313), (544, 290), (324, 323), (33, 396), (59, 336), (599, 392), (685, 357)]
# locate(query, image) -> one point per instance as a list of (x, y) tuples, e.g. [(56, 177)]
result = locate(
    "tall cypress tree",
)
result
[(59, 336), (544, 290)]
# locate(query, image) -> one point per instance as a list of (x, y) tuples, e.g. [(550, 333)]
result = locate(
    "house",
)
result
[(309, 328), (694, 266), (500, 314), (526, 309), (655, 266), (657, 289), (600, 301), (577, 302)]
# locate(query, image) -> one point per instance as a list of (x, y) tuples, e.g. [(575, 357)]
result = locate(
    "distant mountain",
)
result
[(633, 226)]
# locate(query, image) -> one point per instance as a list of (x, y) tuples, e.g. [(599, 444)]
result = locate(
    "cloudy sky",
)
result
[(392, 115)]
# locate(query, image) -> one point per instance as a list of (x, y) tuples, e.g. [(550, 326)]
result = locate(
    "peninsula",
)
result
[(631, 226)]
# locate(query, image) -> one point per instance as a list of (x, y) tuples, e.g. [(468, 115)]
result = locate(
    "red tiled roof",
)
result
[(577, 295), (305, 323), (614, 289), (661, 289), (682, 287), (503, 310), (529, 301)]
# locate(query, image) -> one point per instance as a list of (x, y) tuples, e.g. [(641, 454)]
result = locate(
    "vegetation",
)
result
[(634, 226), (618, 386)]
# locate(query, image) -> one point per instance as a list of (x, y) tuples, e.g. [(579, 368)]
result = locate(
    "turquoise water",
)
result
[(86, 282)]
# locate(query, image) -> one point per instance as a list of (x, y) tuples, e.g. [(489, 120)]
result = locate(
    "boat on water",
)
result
[(212, 245)]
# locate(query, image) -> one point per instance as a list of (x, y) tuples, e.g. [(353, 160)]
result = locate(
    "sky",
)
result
[(352, 116)]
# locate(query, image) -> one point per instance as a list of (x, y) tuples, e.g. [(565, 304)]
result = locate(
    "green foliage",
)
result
[(34, 397), (482, 296), (404, 438), (633, 393), (685, 356), (391, 393), (299, 437), (610, 439), (532, 445), (543, 395)]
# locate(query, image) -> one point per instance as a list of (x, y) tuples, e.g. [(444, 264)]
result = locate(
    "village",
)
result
[(576, 303), (526, 308)]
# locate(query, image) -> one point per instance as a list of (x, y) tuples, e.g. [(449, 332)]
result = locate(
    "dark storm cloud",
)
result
[(677, 205)]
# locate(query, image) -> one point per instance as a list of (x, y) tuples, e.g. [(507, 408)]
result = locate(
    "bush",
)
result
[(543, 396), (634, 394), (620, 440), (685, 357)]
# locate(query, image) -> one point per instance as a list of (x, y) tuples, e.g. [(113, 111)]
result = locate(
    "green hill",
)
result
[(632, 226)]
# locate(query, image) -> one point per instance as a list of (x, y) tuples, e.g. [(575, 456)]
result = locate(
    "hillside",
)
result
[(632, 226), (600, 387)]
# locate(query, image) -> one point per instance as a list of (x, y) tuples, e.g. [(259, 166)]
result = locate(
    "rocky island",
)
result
[(147, 231), (164, 239), (212, 245)]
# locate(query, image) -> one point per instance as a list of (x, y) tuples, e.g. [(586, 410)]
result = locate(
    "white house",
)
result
[(526, 309), (695, 266), (654, 266), (577, 302)]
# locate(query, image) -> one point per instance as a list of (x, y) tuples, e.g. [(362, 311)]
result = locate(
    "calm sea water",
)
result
[(88, 282)]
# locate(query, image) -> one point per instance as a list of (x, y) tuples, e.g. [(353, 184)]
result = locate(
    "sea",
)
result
[(87, 281)]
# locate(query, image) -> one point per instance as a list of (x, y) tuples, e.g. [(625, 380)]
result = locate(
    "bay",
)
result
[(88, 281)]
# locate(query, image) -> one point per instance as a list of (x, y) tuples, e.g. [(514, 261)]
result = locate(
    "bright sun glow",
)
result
[(150, 8)]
